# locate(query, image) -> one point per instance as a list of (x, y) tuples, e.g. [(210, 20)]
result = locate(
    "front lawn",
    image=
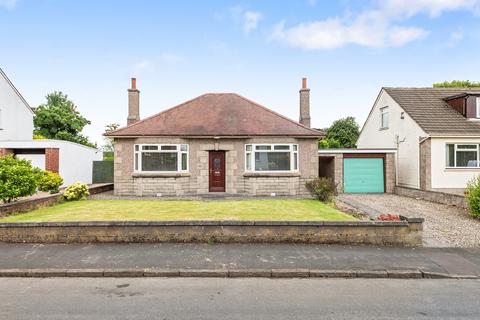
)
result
[(115, 210)]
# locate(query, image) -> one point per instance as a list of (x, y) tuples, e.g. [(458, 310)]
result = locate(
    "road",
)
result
[(204, 298)]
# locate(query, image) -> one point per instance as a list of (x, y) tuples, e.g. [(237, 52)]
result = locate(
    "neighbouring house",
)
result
[(217, 142), (436, 132), (71, 160)]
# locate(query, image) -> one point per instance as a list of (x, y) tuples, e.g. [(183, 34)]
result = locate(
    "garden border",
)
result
[(407, 232), (29, 204)]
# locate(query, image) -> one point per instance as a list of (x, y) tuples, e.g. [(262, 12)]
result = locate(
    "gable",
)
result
[(14, 89), (222, 114)]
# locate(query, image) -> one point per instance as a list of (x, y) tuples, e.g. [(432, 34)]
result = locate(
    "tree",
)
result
[(108, 142), (457, 84), (17, 178), (60, 119), (108, 147), (343, 133)]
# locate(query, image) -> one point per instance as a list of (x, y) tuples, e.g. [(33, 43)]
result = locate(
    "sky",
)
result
[(177, 50)]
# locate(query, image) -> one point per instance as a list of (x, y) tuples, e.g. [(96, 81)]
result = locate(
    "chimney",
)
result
[(133, 103), (305, 104)]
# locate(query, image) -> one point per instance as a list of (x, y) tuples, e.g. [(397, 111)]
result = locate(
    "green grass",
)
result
[(115, 210)]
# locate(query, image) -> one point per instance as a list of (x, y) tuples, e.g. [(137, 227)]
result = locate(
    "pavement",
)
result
[(215, 298), (236, 260)]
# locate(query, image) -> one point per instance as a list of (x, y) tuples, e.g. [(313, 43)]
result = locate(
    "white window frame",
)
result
[(455, 150), (293, 149), (178, 150), (384, 113), (477, 107)]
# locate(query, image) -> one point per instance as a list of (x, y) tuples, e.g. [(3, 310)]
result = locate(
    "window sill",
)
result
[(160, 174), (381, 129), (272, 174), (462, 169)]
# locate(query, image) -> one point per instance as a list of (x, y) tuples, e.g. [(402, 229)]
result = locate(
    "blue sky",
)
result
[(348, 49)]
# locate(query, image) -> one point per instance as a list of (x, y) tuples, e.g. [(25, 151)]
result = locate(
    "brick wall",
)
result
[(5, 151), (52, 157)]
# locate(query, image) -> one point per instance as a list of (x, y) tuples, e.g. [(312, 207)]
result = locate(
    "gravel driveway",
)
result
[(445, 226)]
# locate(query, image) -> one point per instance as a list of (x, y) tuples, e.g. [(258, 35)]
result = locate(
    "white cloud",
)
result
[(378, 26), (251, 19), (8, 4), (312, 2), (247, 19)]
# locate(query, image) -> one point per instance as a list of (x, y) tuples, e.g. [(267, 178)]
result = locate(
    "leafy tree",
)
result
[(108, 142), (328, 144), (457, 84), (60, 119), (17, 178), (343, 133)]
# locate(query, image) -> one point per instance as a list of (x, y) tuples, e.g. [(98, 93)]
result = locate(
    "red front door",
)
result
[(216, 166)]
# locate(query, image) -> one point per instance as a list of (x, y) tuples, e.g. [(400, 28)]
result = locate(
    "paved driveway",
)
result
[(445, 226)]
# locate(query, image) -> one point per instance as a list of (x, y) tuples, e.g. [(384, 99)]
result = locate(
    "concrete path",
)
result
[(194, 298), (260, 257)]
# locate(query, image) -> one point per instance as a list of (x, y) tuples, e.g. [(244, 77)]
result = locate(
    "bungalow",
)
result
[(72, 161), (217, 142), (436, 132)]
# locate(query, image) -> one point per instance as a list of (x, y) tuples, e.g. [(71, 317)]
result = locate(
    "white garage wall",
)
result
[(451, 177), (407, 130), (37, 160), (75, 160)]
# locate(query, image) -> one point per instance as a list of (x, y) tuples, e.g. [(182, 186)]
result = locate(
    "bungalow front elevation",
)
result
[(217, 142), (436, 133)]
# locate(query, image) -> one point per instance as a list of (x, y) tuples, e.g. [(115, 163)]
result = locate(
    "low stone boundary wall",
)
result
[(403, 233), (433, 196), (25, 205)]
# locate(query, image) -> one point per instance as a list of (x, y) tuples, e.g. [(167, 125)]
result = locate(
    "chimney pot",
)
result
[(304, 83), (134, 83)]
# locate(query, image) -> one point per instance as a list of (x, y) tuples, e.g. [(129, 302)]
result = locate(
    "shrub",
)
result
[(17, 178), (49, 182), (322, 188), (472, 194), (76, 191)]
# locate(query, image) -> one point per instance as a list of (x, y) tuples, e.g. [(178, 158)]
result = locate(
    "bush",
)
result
[(322, 188), (17, 178), (472, 194), (49, 182), (76, 191)]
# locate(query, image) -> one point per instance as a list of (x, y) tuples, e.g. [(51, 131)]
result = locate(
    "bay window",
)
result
[(463, 155), (161, 157), (271, 157)]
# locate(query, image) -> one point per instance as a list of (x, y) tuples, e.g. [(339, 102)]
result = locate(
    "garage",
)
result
[(363, 175), (359, 170)]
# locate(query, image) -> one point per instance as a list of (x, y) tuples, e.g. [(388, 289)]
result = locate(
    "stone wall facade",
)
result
[(196, 180), (408, 232), (425, 165)]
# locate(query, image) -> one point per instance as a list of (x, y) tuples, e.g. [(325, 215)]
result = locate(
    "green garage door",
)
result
[(363, 175)]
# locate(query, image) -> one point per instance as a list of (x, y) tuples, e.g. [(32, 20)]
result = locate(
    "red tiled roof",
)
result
[(217, 114)]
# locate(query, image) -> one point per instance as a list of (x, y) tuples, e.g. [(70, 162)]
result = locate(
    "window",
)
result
[(161, 157), (462, 155), (478, 108), (271, 157), (384, 118)]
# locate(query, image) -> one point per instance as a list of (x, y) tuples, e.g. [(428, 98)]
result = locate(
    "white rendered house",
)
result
[(436, 132), (72, 161)]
